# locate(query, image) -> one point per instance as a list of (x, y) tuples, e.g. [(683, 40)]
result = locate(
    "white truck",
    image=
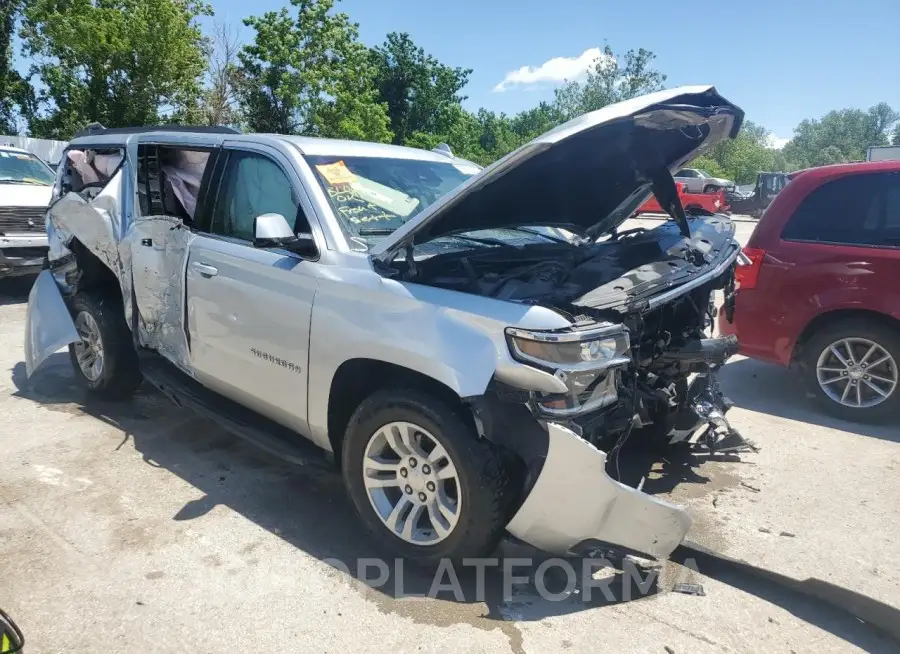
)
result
[(883, 153), (25, 188)]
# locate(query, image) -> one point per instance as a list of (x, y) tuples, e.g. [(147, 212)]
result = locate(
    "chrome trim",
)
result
[(568, 336), (687, 287)]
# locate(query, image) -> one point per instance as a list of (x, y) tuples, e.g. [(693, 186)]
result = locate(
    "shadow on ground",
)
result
[(307, 507), (772, 389), (14, 290)]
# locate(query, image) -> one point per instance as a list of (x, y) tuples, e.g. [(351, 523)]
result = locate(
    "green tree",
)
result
[(16, 96), (119, 62), (308, 74), (612, 79), (421, 93), (741, 158), (842, 135), (896, 139)]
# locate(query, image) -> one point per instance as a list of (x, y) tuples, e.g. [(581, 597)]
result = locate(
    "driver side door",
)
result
[(249, 308)]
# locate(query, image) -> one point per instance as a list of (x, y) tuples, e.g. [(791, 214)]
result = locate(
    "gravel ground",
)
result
[(138, 527)]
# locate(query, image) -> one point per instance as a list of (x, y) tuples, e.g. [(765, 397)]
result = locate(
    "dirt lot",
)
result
[(137, 527)]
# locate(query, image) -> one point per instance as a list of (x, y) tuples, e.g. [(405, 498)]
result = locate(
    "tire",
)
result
[(866, 332), (710, 188), (483, 481), (118, 374)]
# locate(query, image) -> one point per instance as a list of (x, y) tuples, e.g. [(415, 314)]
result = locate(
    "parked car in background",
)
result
[(708, 202), (754, 200), (699, 181), (818, 288), (26, 184)]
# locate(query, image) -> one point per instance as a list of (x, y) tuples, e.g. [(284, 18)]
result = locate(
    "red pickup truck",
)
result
[(712, 202)]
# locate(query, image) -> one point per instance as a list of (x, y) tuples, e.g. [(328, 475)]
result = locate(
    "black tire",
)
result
[(710, 188), (120, 375), (883, 335), (484, 479)]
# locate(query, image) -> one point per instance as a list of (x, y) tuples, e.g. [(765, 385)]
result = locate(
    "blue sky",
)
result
[(781, 61)]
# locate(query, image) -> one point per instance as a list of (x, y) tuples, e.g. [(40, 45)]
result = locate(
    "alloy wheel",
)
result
[(89, 350), (857, 373), (412, 483)]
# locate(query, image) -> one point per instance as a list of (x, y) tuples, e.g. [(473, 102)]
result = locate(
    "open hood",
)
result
[(589, 174)]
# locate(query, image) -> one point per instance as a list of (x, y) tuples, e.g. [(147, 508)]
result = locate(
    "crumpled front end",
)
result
[(575, 502), (48, 324)]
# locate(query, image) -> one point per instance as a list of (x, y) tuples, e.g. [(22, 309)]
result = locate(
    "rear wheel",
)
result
[(422, 482), (852, 369), (104, 358)]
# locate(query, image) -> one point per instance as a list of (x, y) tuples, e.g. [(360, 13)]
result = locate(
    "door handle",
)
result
[(204, 269)]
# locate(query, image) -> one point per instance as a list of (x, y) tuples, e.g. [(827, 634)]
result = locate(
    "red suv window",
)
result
[(861, 209)]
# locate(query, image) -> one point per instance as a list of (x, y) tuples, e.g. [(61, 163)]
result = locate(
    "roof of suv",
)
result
[(307, 145), (804, 182), (835, 170)]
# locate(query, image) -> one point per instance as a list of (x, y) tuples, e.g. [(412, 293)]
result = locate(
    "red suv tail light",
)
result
[(746, 275)]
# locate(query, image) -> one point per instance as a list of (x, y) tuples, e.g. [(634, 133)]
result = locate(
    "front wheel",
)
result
[(104, 358), (421, 480), (851, 368), (710, 188)]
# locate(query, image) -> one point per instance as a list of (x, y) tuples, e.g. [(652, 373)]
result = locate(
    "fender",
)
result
[(834, 301), (48, 323), (455, 338)]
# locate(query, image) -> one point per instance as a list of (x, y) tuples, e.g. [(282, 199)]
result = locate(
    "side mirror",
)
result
[(271, 230)]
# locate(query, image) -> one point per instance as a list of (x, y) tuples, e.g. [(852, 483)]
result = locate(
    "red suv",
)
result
[(819, 287)]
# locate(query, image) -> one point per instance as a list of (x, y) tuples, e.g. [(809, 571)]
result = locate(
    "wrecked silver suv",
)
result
[(466, 342)]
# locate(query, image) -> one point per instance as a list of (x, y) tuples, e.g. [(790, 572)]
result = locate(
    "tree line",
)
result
[(305, 71)]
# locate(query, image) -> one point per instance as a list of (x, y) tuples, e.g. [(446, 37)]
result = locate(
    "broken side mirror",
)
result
[(271, 230)]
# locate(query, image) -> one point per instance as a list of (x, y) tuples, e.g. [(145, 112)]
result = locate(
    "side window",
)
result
[(169, 180), (251, 185), (854, 210), (683, 173)]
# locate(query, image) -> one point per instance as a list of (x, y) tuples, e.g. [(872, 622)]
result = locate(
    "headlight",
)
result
[(571, 351), (581, 359)]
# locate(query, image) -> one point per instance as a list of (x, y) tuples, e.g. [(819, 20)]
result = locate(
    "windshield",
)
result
[(373, 196), (703, 173), (24, 168)]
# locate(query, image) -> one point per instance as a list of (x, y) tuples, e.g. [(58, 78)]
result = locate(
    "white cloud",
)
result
[(556, 70), (777, 142)]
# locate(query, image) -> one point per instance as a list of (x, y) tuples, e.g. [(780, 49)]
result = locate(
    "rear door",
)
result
[(248, 308), (839, 250)]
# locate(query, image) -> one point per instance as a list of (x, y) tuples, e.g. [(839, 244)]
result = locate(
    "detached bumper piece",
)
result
[(574, 503), (707, 405)]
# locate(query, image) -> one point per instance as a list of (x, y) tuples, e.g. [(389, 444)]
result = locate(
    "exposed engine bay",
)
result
[(667, 385)]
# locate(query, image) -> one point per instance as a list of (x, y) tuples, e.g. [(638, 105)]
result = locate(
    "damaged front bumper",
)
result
[(575, 503), (48, 323)]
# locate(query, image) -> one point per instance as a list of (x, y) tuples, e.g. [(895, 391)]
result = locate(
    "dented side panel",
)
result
[(575, 501), (48, 324)]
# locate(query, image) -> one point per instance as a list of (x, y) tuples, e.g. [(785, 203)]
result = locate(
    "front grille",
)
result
[(22, 219)]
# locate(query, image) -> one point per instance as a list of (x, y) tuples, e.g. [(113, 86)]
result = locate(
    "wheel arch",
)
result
[(823, 320), (92, 272), (355, 379)]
